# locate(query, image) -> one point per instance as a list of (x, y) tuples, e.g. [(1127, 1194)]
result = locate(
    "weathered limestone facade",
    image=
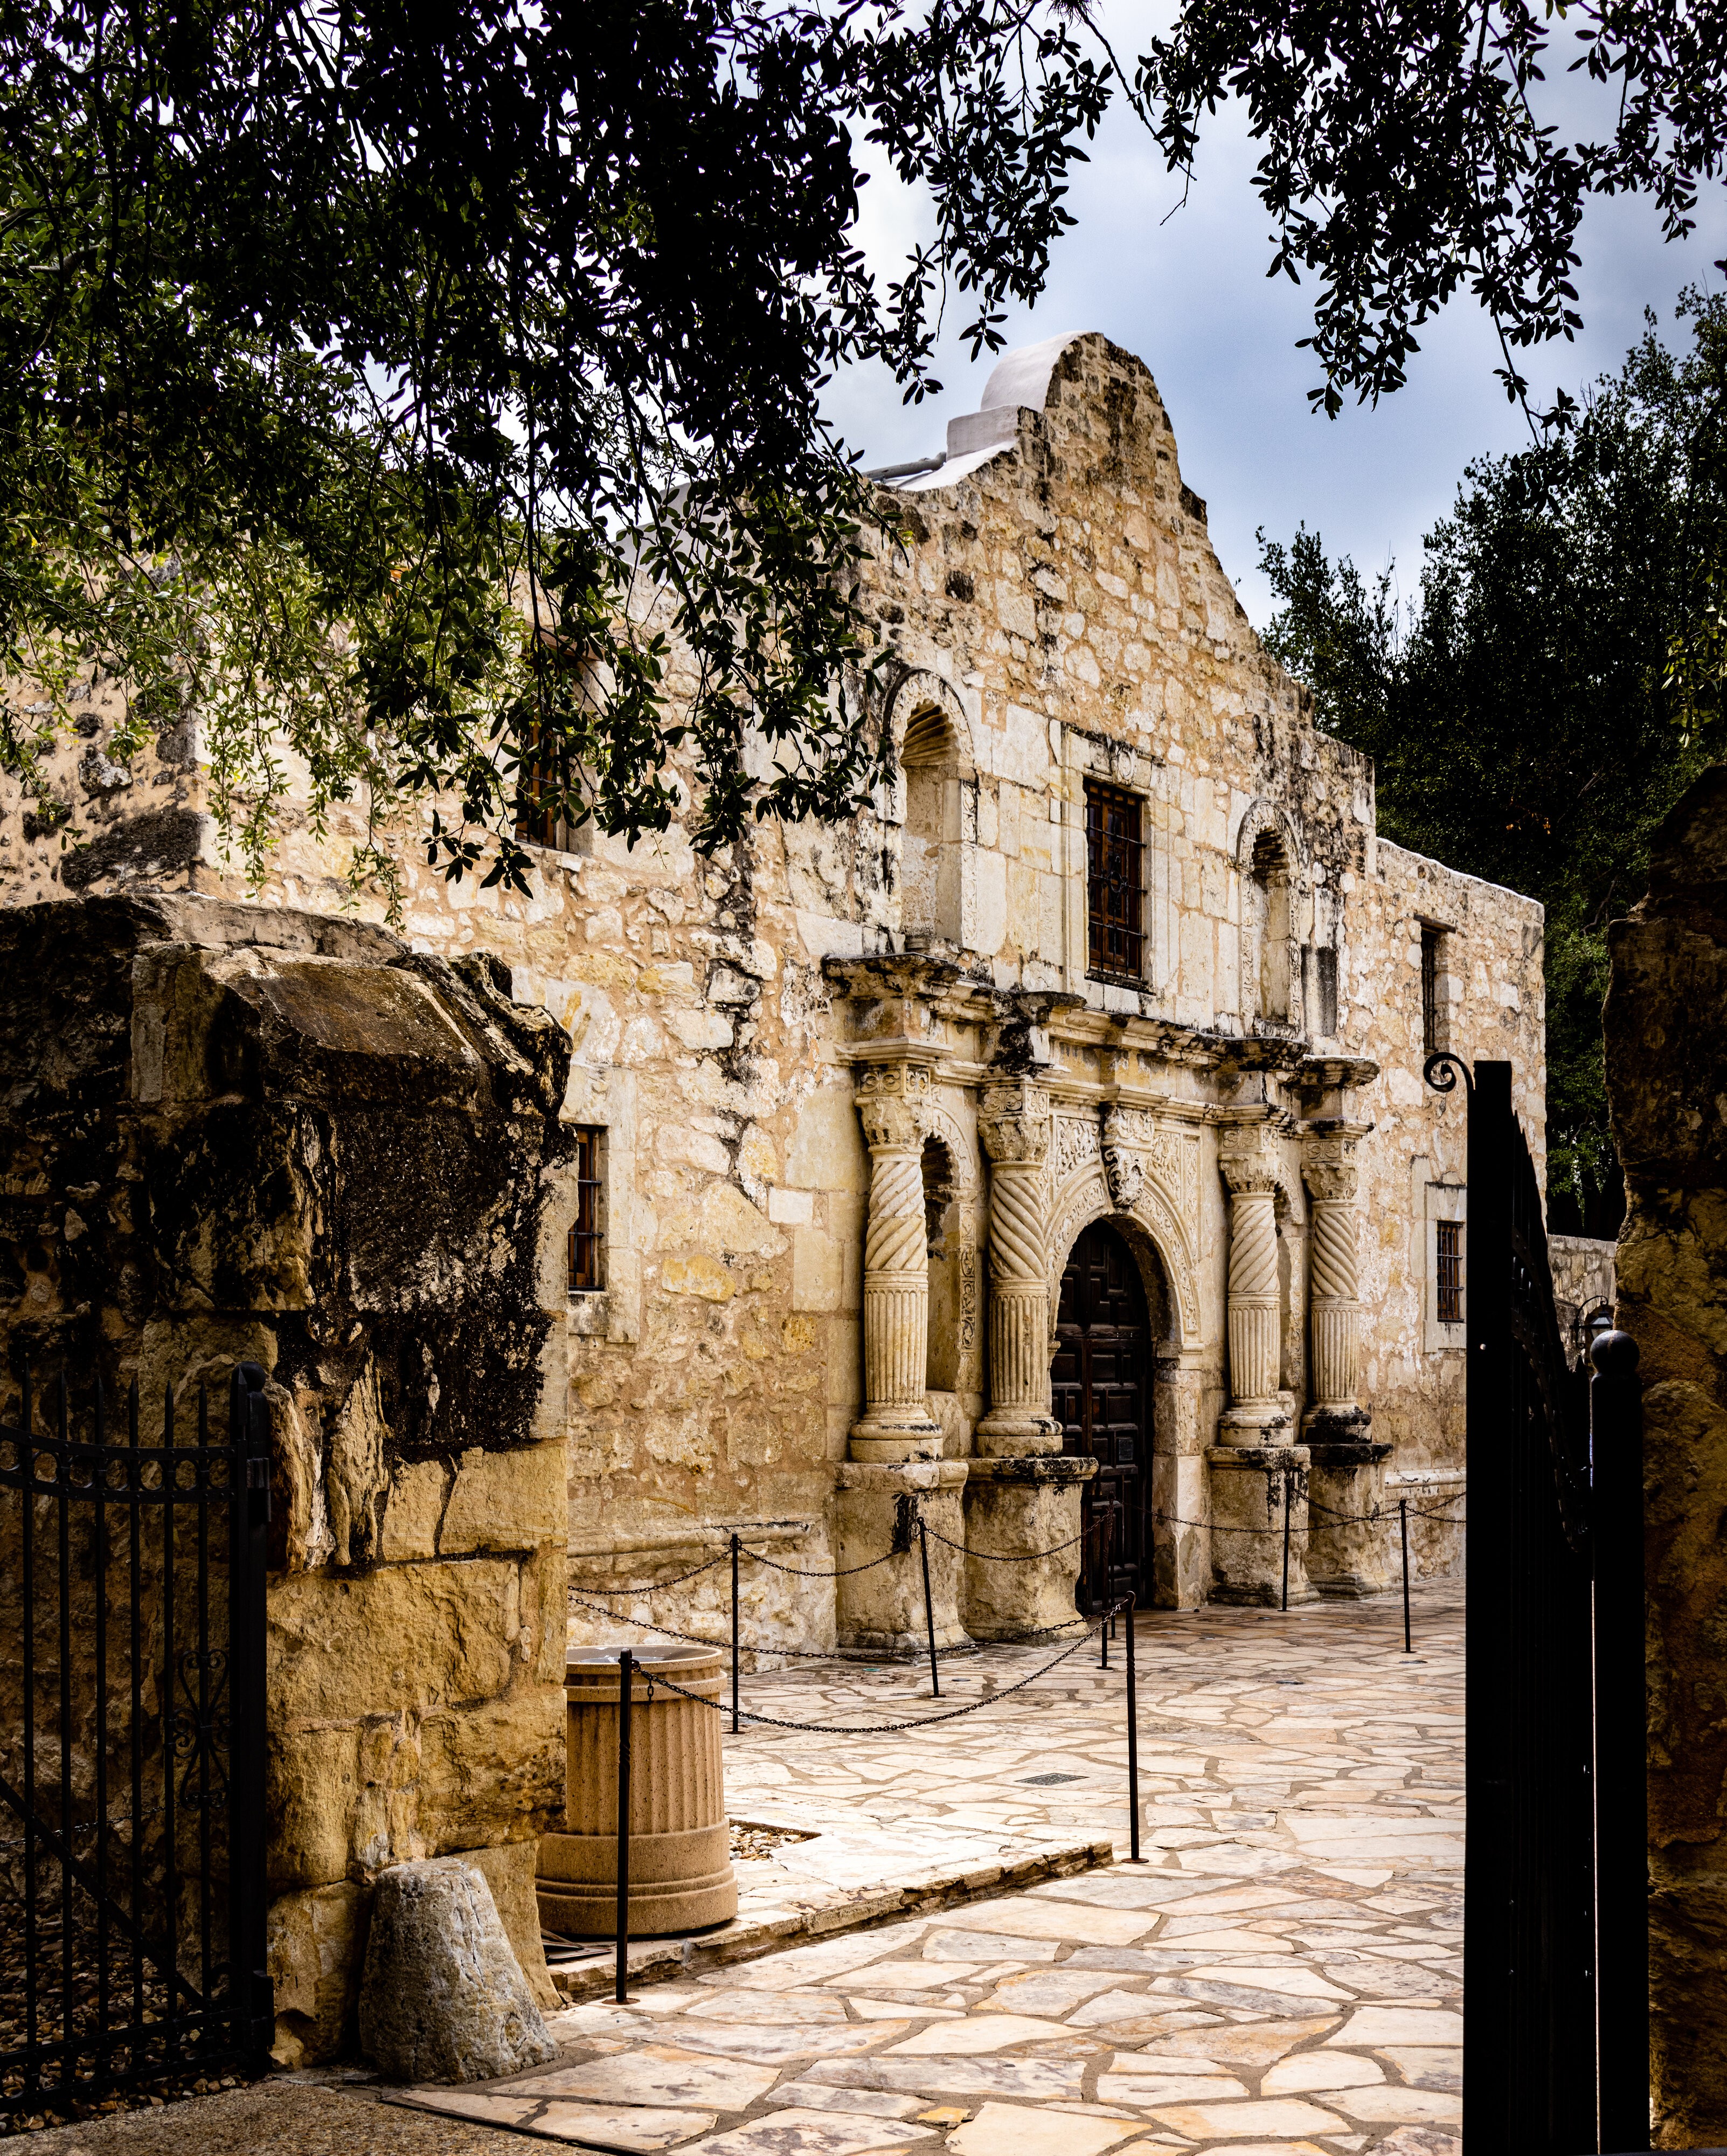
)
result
[(861, 1091)]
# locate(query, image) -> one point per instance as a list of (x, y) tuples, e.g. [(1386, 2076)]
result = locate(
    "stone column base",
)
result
[(1247, 1492), (1030, 1503), (880, 1612), (1350, 1557), (1267, 1424), (892, 1436), (1004, 1433)]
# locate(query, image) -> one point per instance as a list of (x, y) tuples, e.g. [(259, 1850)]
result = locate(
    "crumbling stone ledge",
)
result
[(819, 1916)]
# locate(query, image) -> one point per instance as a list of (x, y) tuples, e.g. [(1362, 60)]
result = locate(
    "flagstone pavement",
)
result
[(1278, 1978)]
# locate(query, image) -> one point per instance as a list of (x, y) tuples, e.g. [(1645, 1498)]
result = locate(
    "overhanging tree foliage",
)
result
[(336, 336), (1555, 687)]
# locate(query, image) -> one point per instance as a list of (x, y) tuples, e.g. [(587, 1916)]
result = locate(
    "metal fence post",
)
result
[(626, 1697), (734, 1636), (1403, 1530), (1622, 1820), (929, 1610), (1133, 1745), (251, 1989)]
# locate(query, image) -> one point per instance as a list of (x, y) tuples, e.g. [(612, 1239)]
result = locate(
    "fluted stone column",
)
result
[(896, 1423), (1013, 1121), (1255, 1414)]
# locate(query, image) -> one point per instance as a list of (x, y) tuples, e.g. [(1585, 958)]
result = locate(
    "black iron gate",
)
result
[(132, 1745), (1556, 2015)]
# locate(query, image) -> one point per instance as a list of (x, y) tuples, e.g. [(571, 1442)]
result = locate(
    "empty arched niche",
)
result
[(1270, 964), (935, 757)]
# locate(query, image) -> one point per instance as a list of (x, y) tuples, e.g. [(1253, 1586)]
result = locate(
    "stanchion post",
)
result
[(734, 1636), (1287, 1509), (929, 1610), (1133, 1745), (626, 1693), (1403, 1530)]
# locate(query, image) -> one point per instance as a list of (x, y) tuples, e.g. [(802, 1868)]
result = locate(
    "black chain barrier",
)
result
[(893, 1729), (628, 1668)]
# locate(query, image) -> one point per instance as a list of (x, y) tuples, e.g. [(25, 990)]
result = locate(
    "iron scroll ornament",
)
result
[(1441, 1071)]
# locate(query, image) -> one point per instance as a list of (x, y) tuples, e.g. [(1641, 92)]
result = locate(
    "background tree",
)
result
[(1554, 688), (335, 335)]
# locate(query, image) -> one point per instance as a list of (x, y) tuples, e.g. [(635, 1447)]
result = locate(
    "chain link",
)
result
[(721, 1647), (799, 1572), (1002, 1557), (653, 1586), (886, 1728)]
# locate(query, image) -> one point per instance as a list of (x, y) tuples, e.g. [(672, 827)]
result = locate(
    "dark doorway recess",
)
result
[(1100, 1384)]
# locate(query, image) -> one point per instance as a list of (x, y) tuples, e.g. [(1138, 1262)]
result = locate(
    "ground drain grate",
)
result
[(1047, 1781)]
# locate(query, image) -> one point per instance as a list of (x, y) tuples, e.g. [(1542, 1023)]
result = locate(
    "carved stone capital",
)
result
[(1013, 1121), (1247, 1162), (1332, 1181), (893, 1103)]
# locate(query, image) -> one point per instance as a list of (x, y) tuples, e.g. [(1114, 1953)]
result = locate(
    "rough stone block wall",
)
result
[(1056, 616), (237, 1133), (1666, 1085)]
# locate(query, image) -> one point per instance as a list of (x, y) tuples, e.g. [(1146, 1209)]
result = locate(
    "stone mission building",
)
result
[(1044, 1156)]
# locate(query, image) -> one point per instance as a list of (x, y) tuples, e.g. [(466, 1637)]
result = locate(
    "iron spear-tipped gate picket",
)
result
[(1555, 1925), (131, 1743)]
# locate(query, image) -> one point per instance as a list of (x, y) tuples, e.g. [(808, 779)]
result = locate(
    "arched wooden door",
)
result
[(1101, 1392)]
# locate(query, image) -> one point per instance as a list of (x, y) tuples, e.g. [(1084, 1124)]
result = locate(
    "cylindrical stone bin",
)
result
[(680, 1874)]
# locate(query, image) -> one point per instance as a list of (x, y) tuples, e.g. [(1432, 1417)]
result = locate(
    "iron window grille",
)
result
[(1449, 1271), (1115, 883), (587, 1251), (1430, 1027)]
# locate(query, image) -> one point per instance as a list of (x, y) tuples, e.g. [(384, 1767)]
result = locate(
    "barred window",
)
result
[(587, 1256), (1432, 1024), (1449, 1271), (1115, 883), (538, 785)]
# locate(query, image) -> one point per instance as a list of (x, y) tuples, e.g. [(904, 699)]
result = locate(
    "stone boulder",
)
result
[(444, 1998)]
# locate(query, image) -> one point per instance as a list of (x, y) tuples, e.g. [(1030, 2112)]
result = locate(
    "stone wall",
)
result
[(1056, 617), (1583, 1287), (236, 1133), (1667, 1084)]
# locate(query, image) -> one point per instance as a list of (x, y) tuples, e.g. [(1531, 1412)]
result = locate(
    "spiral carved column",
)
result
[(896, 1423), (1256, 1416), (1328, 1169), (1013, 1121), (1349, 1549)]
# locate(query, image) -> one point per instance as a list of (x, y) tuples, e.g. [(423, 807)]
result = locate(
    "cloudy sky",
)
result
[(1188, 292)]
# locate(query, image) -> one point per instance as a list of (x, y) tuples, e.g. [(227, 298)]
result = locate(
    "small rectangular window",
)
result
[(587, 1255), (1115, 884), (537, 788), (1433, 1024), (1449, 1271)]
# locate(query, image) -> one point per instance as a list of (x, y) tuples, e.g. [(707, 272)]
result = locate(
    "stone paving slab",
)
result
[(1279, 1978)]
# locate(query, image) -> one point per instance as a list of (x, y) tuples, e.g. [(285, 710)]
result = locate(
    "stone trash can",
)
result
[(680, 1869)]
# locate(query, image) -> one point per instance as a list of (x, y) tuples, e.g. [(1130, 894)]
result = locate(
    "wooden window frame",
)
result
[(1115, 884), (587, 1254), (1449, 1272)]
